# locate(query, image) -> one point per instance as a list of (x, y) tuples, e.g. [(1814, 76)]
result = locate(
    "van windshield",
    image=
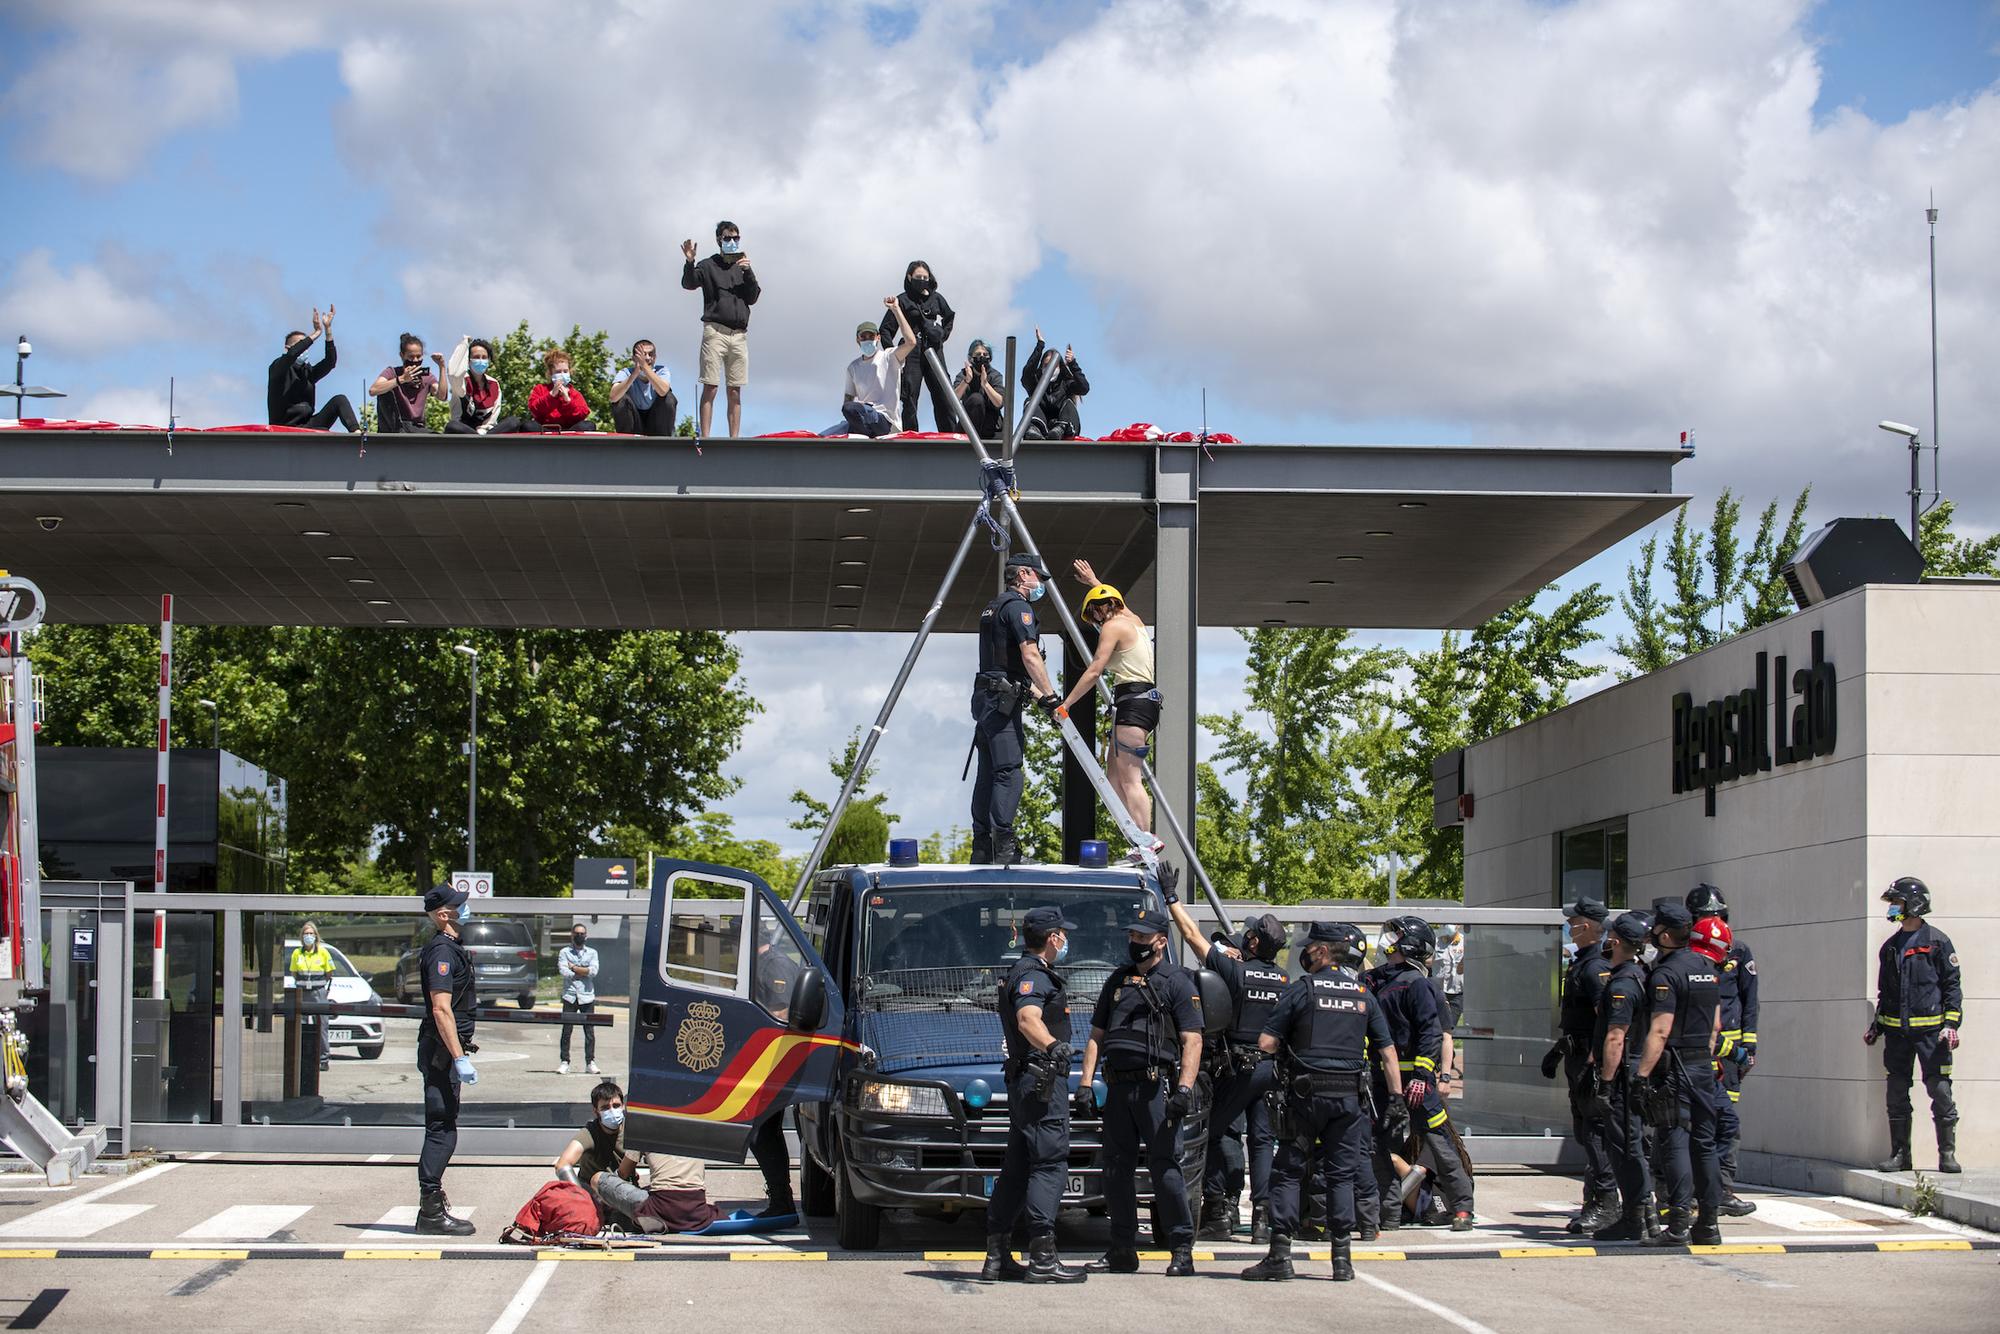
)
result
[(978, 926)]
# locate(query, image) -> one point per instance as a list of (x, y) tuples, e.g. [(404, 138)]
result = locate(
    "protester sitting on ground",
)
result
[(475, 392), (642, 399), (402, 391), (675, 1196), (556, 404), (293, 385), (1125, 658), (982, 390), (728, 288), (872, 405), (932, 317), (1057, 417)]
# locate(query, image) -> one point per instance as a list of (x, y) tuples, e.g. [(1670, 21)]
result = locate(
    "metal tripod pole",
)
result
[(867, 749), (1075, 634)]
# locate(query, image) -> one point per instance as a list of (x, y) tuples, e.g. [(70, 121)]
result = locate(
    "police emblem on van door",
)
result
[(698, 1044)]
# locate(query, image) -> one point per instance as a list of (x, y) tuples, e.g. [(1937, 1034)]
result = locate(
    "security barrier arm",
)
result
[(867, 750), (1070, 626)]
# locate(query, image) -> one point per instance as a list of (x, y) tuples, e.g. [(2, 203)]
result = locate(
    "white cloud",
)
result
[(82, 306)]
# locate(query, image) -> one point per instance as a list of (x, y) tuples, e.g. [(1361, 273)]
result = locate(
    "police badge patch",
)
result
[(699, 1042)]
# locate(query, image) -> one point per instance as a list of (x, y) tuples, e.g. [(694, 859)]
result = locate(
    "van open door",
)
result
[(737, 1017)]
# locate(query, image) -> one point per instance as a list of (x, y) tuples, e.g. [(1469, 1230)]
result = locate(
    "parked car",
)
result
[(349, 989), (504, 962)]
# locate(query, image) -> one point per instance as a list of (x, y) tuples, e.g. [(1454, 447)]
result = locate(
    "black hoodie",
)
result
[(728, 289), (931, 316), (289, 395)]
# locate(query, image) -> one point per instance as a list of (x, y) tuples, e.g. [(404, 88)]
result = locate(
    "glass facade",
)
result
[(225, 819), (1591, 861)]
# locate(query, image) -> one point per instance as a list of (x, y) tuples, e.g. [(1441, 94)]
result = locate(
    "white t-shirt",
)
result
[(878, 380)]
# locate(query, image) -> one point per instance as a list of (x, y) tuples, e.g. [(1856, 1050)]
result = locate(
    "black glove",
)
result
[(1179, 1103), (1396, 1119), (1552, 1062), (1170, 881), (1048, 703), (1084, 1103)]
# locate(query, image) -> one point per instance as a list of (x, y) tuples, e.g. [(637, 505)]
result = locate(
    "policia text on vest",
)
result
[(1732, 737)]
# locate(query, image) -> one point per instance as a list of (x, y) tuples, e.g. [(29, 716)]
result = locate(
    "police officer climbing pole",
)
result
[(1677, 1086), (1918, 1009), (1011, 673), (1321, 1032), (1034, 1020), (444, 1055), (1583, 986), (1146, 1030), (1736, 1048)]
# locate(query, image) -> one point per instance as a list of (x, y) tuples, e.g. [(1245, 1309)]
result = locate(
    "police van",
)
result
[(875, 1020)]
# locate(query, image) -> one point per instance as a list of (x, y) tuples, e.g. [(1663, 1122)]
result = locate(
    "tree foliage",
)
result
[(1948, 556)]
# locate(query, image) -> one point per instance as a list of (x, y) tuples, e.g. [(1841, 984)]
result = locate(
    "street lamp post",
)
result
[(1916, 452), (215, 722), (472, 768)]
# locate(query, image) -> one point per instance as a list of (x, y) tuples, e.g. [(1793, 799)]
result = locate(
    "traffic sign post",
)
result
[(479, 884)]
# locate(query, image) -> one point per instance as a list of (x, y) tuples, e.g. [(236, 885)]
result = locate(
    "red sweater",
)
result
[(546, 408)]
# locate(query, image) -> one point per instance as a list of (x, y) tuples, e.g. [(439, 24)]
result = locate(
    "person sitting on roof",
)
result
[(475, 392), (1125, 657), (642, 398), (403, 391), (982, 390), (1057, 418), (872, 405), (556, 404), (294, 385)]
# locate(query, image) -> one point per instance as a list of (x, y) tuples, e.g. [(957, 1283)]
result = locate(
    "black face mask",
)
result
[(1266, 951), (1137, 952), (919, 287), (576, 942)]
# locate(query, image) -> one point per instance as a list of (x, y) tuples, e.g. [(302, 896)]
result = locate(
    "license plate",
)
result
[(491, 968), (344, 1035)]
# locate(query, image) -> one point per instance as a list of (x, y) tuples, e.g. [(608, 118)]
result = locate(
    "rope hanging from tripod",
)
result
[(996, 481)]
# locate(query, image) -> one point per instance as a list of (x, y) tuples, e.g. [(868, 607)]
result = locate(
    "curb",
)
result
[(1897, 1190)]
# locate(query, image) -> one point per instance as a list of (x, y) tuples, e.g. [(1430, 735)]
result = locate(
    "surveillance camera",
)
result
[(1897, 428), (23, 348), (48, 523)]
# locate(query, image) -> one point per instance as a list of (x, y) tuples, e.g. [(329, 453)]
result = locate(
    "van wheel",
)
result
[(859, 1225), (816, 1193)]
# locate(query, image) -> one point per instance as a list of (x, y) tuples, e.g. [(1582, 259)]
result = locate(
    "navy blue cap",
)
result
[(1326, 933), (1631, 927), (1148, 921), (1266, 925), (1022, 561), (1671, 912), (1587, 907), (443, 896), (1046, 919)]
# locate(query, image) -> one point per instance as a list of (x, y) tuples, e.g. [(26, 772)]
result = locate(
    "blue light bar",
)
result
[(902, 852), (1094, 853)]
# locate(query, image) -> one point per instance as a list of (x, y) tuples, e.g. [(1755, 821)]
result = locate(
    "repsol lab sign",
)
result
[(1742, 734)]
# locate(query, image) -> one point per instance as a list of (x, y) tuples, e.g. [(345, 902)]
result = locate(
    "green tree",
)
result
[(1948, 556), (517, 364), (711, 837), (1766, 596)]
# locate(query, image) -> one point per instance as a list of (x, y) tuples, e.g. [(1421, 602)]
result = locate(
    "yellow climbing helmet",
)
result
[(1102, 593)]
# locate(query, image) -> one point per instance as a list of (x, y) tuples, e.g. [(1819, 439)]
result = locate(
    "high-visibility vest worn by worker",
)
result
[(309, 961)]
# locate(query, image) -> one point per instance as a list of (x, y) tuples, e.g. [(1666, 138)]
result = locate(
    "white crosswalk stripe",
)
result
[(77, 1219), (247, 1222), (400, 1223), (1794, 1216)]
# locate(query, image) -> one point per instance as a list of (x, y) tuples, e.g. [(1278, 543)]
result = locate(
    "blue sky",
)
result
[(241, 165)]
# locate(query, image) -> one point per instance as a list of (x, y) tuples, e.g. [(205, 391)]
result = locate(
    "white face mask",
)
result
[(310, 940), (1650, 955)]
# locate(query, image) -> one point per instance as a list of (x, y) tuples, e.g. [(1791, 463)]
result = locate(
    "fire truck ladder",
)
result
[(998, 488)]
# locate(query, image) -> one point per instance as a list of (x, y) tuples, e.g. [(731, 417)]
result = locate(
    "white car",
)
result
[(363, 1032)]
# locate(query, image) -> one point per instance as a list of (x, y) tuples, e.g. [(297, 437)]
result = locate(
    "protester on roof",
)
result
[(1056, 418), (294, 385), (475, 391), (872, 405), (642, 398), (402, 391), (932, 317), (556, 404), (982, 390), (728, 288)]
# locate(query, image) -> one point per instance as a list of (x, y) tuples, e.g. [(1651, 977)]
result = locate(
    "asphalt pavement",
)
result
[(225, 1244)]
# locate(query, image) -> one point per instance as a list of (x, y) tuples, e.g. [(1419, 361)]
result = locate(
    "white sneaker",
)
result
[(594, 1070), (562, 1067)]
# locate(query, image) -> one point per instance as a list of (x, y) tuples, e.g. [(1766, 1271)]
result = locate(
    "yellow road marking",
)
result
[(1939, 1245), (768, 1256), (1738, 1248), (1549, 1252), (27, 1255), (392, 1255), (584, 1255), (954, 1255), (199, 1254), (1375, 1255)]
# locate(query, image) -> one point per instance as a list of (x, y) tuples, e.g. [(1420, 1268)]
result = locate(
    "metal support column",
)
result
[(230, 1086), (1176, 484)]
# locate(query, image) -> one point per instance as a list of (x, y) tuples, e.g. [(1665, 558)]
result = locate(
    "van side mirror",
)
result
[(1218, 1008), (808, 1010)]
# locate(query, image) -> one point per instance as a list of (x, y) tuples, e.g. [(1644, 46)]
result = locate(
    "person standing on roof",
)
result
[(932, 317), (1124, 657), (1011, 672), (293, 385), (728, 288)]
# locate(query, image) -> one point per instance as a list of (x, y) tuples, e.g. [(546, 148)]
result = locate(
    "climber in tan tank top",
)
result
[(1125, 659)]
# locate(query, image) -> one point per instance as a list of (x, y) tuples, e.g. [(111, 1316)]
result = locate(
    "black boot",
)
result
[(1674, 1232), (1369, 1229), (1236, 1215), (1947, 1133), (434, 1221), (1214, 1225), (1182, 1263), (1899, 1146), (1629, 1227), (1706, 1231), (982, 849), (1602, 1212), (1653, 1215), (1314, 1226), (1343, 1261), (1260, 1224), (1001, 1266), (780, 1206), (1006, 849), (1045, 1266), (1114, 1261), (1275, 1267)]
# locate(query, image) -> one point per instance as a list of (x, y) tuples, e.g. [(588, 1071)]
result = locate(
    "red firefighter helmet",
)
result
[(1711, 938)]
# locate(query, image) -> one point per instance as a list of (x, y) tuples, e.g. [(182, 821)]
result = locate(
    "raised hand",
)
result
[(687, 249), (1084, 572), (327, 323), (319, 321)]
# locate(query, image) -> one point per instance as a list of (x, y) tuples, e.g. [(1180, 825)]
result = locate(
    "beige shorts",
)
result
[(725, 351)]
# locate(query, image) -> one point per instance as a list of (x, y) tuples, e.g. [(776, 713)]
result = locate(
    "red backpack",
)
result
[(559, 1209)]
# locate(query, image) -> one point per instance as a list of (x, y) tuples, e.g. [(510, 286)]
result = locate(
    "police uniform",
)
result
[(774, 976), (1582, 990), (1686, 985), (1621, 1006), (1917, 997), (1001, 694), (1325, 1022), (1244, 1076), (1142, 1017), (1738, 998), (1410, 1008), (1038, 1098), (447, 970)]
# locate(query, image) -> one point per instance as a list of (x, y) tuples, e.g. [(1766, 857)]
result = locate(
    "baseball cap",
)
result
[(866, 327), (1266, 925), (1672, 913), (1631, 927), (1021, 560), (1587, 907), (1148, 921), (443, 896), (1046, 919)]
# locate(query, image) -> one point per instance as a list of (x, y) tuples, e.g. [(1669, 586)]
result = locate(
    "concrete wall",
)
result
[(1801, 852)]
